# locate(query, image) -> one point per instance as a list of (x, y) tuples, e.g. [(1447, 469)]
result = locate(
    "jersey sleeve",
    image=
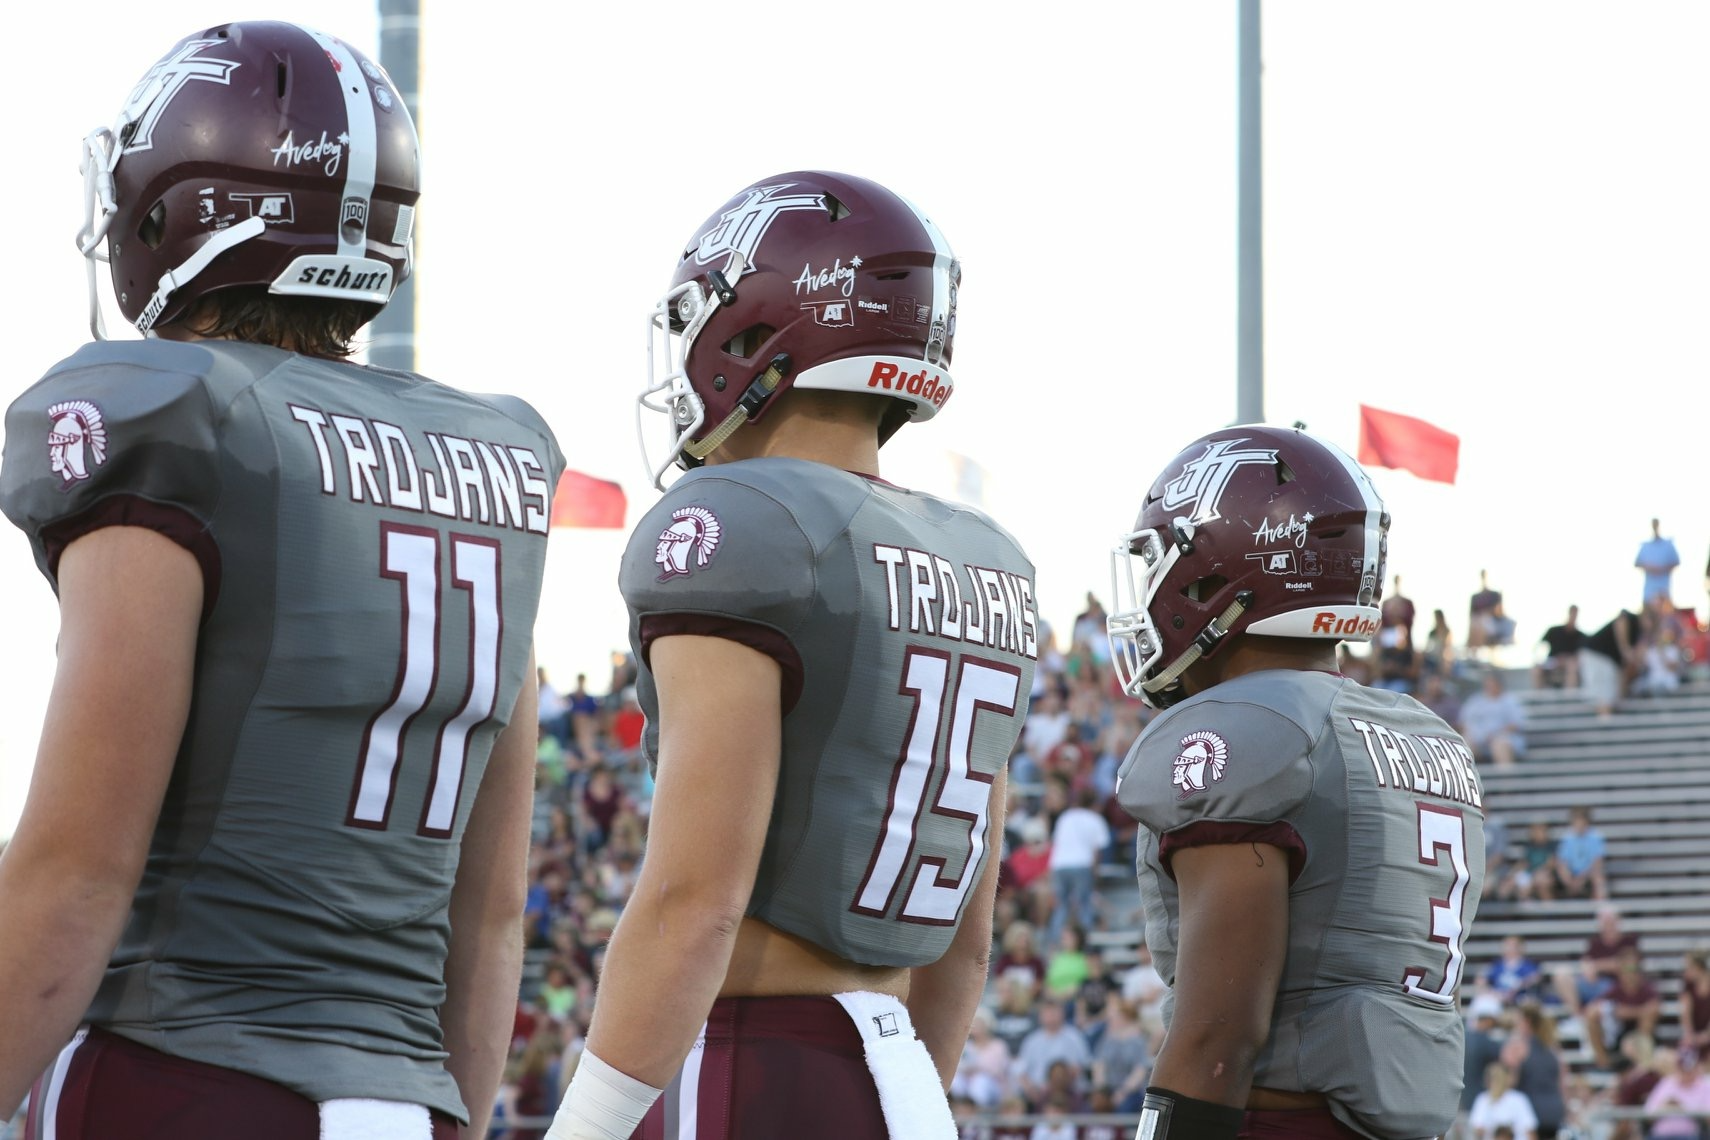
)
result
[(716, 556), (121, 434), (1219, 772)]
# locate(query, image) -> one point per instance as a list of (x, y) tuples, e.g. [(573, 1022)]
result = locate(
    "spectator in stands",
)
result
[(584, 719), (602, 800), (1078, 840), (1598, 965), (1046, 726), (1657, 558), (1066, 968), (1027, 870), (983, 1074), (1661, 660), (1436, 695), (1496, 858), (1054, 1126), (1439, 648), (1531, 1054), (1396, 614), (1560, 667), (1607, 661), (1579, 859), (1632, 1005), (1065, 1084), (1501, 1104), (1694, 1031), (1533, 875), (1514, 976), (1487, 624), (1017, 1013), (1493, 721), (1687, 1090), (1399, 664), (1053, 1040), (628, 723), (1645, 1068), (553, 713), (1092, 998), (1144, 988), (1020, 959), (1122, 1059), (1484, 1039)]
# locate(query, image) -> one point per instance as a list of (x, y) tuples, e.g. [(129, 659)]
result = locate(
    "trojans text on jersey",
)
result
[(493, 484), (1440, 766), (994, 609)]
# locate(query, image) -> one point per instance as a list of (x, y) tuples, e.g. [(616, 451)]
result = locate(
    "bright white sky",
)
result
[(1489, 216)]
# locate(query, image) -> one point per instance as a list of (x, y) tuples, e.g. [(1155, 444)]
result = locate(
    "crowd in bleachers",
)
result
[(1073, 1016)]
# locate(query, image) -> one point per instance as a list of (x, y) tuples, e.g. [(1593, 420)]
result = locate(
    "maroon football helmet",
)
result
[(1251, 529), (806, 280), (252, 154)]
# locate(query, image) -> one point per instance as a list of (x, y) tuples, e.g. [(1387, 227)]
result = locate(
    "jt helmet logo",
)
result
[(1203, 481), (740, 228)]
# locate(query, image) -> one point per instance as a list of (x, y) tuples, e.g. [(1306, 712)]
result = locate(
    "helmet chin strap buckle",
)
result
[(1215, 631), (762, 389)]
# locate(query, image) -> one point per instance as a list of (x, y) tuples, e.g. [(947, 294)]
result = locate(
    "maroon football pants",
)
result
[(775, 1068), (112, 1087)]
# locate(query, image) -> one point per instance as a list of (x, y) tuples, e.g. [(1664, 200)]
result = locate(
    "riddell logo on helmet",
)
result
[(928, 384), (1324, 622)]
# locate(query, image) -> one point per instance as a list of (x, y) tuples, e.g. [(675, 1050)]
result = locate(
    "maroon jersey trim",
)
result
[(761, 638), (131, 510), (1215, 832)]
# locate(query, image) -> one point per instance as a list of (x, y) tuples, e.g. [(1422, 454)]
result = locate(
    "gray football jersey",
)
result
[(372, 546), (1377, 801), (907, 631)]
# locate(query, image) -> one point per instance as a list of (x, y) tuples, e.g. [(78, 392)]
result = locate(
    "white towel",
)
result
[(914, 1103), (359, 1118)]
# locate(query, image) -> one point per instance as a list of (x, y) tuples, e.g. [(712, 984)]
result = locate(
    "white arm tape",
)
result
[(602, 1104)]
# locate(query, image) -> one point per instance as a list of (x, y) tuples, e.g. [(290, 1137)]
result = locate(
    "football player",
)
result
[(273, 855), (1312, 849), (834, 671)]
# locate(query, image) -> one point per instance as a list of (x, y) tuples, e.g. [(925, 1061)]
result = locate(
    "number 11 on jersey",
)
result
[(409, 555)]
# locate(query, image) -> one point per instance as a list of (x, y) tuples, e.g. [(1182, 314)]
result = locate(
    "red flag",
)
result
[(1389, 439), (582, 500)]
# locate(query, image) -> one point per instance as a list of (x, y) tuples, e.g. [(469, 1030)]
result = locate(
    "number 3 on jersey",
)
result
[(1443, 831), (409, 555), (963, 794)]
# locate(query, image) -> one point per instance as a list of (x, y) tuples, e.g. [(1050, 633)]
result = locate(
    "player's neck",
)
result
[(1256, 654), (800, 433)]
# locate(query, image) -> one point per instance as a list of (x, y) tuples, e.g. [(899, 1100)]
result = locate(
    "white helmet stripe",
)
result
[(1374, 505), (362, 152), (941, 264)]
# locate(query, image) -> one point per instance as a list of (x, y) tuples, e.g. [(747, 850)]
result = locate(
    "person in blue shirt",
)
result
[(1514, 977), (1657, 558), (1579, 858)]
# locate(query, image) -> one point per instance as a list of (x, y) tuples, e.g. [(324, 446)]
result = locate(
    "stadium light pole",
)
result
[(392, 336), (1250, 286)]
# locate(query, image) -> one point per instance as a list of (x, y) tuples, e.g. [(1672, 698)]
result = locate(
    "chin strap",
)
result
[(747, 408), (181, 275), (1215, 631)]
